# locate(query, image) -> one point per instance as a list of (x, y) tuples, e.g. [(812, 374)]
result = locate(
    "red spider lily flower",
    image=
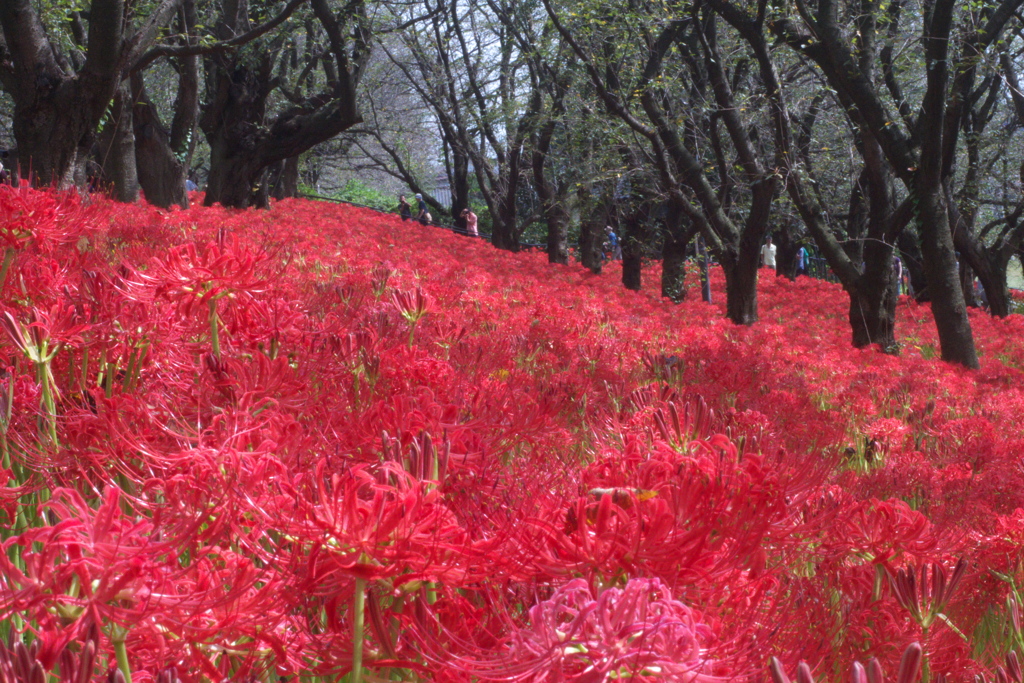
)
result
[(926, 600), (45, 332), (364, 528), (192, 275), (637, 631), (412, 305), (910, 668), (45, 218)]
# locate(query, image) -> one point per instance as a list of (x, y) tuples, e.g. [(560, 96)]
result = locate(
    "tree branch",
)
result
[(223, 46)]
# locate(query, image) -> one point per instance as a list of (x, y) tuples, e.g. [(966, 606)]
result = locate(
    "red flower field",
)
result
[(320, 442)]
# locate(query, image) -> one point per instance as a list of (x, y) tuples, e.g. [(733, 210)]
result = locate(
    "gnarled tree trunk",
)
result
[(243, 142), (57, 108), (164, 157)]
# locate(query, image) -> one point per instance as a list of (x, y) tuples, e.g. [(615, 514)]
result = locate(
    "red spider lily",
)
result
[(1011, 672), (412, 306), (547, 426), (910, 668), (21, 664), (45, 218), (637, 631), (45, 333), (926, 600), (362, 528)]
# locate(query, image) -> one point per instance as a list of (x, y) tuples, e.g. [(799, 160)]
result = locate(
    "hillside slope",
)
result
[(232, 437)]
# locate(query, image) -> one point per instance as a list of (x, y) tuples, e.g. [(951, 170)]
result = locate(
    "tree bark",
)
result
[(741, 287), (788, 248), (556, 216), (940, 267), (460, 187), (284, 179), (678, 234), (592, 230), (161, 173), (909, 244), (873, 313), (164, 157), (632, 265), (117, 148), (873, 299)]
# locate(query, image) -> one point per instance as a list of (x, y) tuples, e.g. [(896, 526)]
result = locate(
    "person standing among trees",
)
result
[(421, 210), (801, 261), (613, 246), (404, 209), (768, 254), (470, 223)]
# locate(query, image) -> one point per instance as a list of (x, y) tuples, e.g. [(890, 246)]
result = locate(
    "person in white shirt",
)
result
[(768, 254)]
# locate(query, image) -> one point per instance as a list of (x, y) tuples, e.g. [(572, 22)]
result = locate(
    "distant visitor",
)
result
[(421, 210), (470, 222), (768, 254)]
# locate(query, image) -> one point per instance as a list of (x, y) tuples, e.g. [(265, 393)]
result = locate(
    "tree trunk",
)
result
[(49, 137), (460, 187), (913, 262), (940, 266), (505, 232), (673, 267), (966, 275), (741, 290), (284, 178), (235, 177), (232, 123), (161, 174), (117, 148), (987, 262), (632, 239), (632, 266), (857, 217), (557, 218), (551, 198), (873, 303), (993, 280), (591, 234), (872, 314), (741, 262), (788, 247), (678, 234)]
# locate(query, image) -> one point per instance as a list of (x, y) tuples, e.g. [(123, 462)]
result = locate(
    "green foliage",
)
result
[(358, 192)]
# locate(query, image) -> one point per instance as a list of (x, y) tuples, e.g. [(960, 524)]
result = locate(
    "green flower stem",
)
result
[(357, 628), (49, 405), (121, 652), (214, 328), (8, 259)]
